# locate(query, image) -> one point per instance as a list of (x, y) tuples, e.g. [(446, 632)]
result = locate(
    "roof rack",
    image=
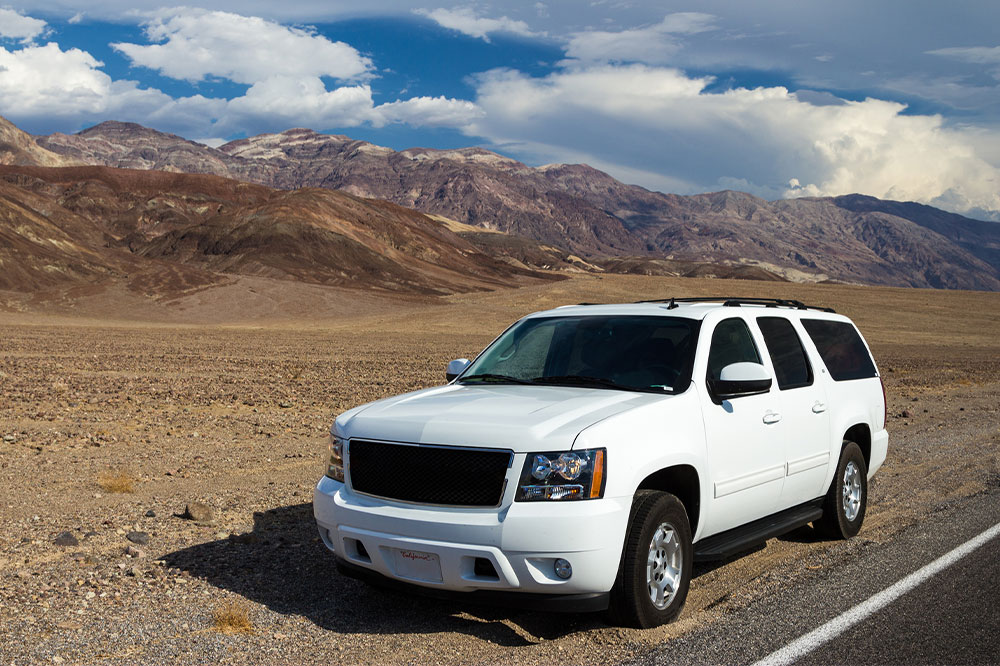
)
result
[(737, 301)]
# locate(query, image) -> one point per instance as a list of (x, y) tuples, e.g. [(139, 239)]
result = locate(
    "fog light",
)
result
[(563, 568)]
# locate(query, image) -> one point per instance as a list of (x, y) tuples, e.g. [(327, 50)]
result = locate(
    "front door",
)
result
[(746, 458)]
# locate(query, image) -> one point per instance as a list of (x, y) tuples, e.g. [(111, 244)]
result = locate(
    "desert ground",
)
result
[(117, 412)]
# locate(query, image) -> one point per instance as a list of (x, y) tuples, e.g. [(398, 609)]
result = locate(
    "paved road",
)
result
[(951, 618)]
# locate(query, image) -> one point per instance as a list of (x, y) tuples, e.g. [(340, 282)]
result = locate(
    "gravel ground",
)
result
[(235, 418)]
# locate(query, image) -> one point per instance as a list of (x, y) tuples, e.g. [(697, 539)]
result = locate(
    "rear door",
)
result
[(804, 427)]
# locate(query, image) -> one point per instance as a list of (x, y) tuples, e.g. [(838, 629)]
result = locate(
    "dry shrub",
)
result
[(232, 617), (117, 482)]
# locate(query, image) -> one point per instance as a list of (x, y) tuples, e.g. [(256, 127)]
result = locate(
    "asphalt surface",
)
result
[(951, 618)]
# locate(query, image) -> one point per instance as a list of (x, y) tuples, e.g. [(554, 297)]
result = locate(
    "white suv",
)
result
[(591, 453)]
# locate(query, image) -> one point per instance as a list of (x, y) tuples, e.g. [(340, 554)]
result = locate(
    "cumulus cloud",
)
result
[(70, 85), (654, 44), (466, 21), (664, 129), (193, 44), (14, 25), (45, 80), (428, 112)]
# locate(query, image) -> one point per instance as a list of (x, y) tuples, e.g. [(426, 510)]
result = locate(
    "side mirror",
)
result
[(740, 379), (456, 367)]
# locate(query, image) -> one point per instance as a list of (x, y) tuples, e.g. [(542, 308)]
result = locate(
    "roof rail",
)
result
[(737, 301)]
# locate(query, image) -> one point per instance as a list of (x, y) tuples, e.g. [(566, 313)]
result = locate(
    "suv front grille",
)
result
[(428, 474)]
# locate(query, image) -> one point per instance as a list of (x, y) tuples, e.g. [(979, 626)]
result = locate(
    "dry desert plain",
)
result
[(224, 397)]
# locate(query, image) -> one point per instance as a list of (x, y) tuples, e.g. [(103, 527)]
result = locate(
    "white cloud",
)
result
[(45, 80), (213, 142), (659, 126), (986, 55), (14, 25), (654, 44), (193, 44), (466, 21), (977, 55), (70, 86), (428, 112)]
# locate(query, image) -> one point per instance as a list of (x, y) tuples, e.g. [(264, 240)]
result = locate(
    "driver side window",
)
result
[(731, 343)]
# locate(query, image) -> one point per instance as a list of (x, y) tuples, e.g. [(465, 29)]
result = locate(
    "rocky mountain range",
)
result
[(581, 211), (164, 234)]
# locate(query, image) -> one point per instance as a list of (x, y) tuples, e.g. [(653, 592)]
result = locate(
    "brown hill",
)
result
[(18, 147), (168, 232), (588, 213)]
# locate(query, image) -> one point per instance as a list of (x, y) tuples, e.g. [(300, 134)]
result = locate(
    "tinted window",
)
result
[(791, 366), (731, 343), (644, 353), (842, 349)]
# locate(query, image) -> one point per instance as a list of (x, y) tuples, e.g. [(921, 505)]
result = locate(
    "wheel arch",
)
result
[(683, 482), (861, 434)]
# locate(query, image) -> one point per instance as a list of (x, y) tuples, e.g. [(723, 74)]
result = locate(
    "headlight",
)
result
[(563, 475), (335, 470)]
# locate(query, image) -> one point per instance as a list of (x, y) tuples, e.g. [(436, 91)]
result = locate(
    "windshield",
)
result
[(636, 353)]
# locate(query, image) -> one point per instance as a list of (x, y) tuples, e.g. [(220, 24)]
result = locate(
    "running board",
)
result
[(726, 544)]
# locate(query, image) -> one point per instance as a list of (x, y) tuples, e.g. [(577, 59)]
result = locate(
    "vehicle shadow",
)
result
[(283, 565), (804, 534)]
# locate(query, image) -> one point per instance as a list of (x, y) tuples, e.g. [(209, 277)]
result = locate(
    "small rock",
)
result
[(66, 539), (151, 514), (9, 438), (285, 404), (140, 538), (906, 414), (199, 512), (132, 551), (135, 571)]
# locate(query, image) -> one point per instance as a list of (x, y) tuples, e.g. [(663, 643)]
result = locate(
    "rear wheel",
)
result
[(655, 571), (847, 500)]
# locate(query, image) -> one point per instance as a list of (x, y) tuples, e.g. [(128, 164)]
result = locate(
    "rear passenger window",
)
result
[(791, 366), (731, 343), (841, 348)]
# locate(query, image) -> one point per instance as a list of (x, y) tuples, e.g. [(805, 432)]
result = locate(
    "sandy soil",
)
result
[(229, 405)]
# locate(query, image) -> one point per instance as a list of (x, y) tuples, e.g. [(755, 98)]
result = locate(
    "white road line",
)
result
[(817, 637)]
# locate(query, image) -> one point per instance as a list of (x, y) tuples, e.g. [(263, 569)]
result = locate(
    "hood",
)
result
[(521, 418)]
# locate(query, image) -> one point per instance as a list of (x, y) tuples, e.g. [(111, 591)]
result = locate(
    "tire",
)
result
[(847, 500), (656, 559)]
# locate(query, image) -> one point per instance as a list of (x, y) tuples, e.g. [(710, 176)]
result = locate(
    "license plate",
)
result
[(417, 565)]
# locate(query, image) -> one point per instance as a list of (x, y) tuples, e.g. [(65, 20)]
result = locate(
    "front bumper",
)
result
[(437, 547)]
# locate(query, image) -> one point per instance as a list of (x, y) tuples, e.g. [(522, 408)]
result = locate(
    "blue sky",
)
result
[(895, 98)]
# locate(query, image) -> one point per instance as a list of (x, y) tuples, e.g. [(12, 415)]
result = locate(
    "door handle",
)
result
[(772, 417), (819, 407)]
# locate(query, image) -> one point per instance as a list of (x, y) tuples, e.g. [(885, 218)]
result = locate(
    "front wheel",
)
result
[(655, 571), (847, 500)]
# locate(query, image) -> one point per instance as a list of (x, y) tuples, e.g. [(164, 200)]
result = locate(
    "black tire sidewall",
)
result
[(634, 607), (848, 528)]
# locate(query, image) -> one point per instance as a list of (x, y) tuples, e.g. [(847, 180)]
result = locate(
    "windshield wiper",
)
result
[(583, 380), (489, 376)]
